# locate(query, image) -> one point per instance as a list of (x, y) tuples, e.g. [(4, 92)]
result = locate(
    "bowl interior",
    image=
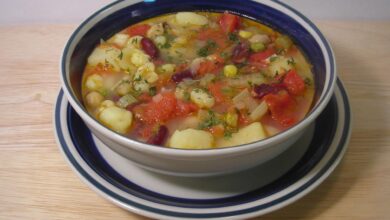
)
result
[(118, 15)]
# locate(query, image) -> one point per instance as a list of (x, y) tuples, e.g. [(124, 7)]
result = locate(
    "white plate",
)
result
[(254, 192)]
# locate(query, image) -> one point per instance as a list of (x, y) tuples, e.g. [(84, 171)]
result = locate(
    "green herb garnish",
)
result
[(120, 56), (307, 81), (210, 121), (233, 37), (134, 41), (280, 51), (138, 78), (165, 46), (291, 61), (205, 51), (186, 96), (152, 91), (227, 134), (224, 55), (272, 59)]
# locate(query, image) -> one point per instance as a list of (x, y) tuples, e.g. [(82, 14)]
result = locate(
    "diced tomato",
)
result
[(144, 97), (243, 119), (158, 110), (294, 83), (185, 108), (140, 29), (217, 130), (261, 56), (216, 90), (213, 65), (181, 67), (282, 107), (158, 62), (229, 22), (217, 36), (146, 130)]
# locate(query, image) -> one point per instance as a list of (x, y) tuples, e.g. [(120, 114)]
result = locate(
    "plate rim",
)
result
[(143, 209)]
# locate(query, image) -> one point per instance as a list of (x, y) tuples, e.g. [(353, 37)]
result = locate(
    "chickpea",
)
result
[(94, 99), (123, 89)]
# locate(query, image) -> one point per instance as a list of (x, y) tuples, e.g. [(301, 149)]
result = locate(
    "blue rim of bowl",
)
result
[(332, 78), (341, 146)]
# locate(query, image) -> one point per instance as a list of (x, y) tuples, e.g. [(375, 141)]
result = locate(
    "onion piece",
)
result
[(126, 100), (259, 111), (245, 100)]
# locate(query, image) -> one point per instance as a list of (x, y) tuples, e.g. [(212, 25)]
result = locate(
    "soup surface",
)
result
[(198, 80)]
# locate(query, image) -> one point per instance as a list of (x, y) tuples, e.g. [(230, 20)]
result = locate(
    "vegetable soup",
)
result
[(198, 80)]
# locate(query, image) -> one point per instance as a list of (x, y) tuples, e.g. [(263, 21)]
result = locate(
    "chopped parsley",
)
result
[(135, 40), (227, 134), (186, 96), (273, 58), (138, 78), (307, 81), (165, 46), (233, 37), (280, 51), (205, 51), (224, 55), (120, 56), (152, 91), (291, 61), (210, 121)]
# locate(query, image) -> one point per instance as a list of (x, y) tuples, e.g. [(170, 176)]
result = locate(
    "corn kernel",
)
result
[(230, 70), (256, 47), (231, 119), (245, 34)]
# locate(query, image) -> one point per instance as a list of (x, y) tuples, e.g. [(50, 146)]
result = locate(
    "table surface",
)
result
[(37, 183)]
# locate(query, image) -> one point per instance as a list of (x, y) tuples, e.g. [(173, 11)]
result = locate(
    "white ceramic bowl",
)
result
[(114, 17)]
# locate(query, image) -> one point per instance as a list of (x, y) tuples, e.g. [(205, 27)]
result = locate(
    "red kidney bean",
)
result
[(149, 47), (259, 91), (240, 53), (180, 76), (160, 137)]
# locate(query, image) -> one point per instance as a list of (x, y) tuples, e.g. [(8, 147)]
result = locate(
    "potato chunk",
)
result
[(146, 72), (248, 134), (120, 39), (186, 18), (280, 65), (116, 118), (191, 139), (202, 99), (105, 55)]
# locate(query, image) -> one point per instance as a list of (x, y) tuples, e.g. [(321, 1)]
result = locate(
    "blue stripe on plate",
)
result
[(324, 133), (206, 215)]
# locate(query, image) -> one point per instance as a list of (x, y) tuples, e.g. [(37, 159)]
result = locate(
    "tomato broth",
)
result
[(198, 80)]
